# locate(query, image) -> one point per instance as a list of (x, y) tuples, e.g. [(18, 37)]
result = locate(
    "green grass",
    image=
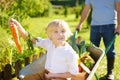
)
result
[(37, 28), (37, 25)]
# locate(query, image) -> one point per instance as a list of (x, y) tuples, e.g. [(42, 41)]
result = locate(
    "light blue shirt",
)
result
[(103, 11)]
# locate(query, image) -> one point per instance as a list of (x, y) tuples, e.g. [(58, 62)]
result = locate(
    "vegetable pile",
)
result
[(85, 61)]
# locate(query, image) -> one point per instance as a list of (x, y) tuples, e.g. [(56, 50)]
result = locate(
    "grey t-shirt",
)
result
[(103, 11)]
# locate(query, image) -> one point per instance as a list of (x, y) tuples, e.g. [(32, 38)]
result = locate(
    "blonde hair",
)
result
[(52, 26)]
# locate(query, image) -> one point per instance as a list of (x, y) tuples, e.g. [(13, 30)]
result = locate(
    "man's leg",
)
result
[(95, 35), (110, 68), (107, 37)]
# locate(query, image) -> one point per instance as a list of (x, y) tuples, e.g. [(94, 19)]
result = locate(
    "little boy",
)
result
[(61, 60)]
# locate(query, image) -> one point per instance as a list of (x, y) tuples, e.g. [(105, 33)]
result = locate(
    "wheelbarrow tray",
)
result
[(39, 65), (97, 54)]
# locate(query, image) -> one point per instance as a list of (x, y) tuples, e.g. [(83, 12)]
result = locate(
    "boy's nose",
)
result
[(60, 34)]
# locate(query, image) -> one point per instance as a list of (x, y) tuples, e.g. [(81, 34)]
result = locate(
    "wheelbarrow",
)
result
[(39, 65), (96, 53)]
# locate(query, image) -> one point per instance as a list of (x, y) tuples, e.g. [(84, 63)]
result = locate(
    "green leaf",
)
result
[(74, 45), (82, 47)]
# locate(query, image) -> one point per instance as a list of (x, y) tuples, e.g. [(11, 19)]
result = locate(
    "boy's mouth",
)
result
[(60, 39)]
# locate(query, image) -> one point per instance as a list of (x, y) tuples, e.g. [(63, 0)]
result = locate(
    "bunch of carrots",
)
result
[(16, 28)]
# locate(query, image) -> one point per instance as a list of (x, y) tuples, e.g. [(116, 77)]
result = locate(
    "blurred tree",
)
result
[(20, 9)]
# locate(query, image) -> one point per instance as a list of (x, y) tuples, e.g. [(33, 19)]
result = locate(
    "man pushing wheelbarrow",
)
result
[(105, 15)]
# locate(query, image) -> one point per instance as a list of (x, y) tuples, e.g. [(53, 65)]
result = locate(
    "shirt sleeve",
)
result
[(73, 63), (117, 0), (42, 43)]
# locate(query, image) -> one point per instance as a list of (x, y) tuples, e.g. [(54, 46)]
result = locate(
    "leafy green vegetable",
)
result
[(73, 39), (87, 60), (81, 50), (29, 43), (82, 47)]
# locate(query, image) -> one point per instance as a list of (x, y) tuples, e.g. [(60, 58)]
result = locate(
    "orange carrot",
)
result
[(20, 29), (14, 31)]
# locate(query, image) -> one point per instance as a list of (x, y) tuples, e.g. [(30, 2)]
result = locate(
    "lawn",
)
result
[(37, 28)]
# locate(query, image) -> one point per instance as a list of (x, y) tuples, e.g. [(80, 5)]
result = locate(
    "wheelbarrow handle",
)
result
[(110, 43)]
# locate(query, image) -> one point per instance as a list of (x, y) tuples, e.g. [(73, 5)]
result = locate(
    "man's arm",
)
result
[(84, 15), (117, 5)]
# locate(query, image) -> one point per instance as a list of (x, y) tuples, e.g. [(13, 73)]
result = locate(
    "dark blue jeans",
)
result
[(106, 32)]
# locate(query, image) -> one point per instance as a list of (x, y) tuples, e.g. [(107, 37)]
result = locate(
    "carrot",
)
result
[(14, 31), (20, 29)]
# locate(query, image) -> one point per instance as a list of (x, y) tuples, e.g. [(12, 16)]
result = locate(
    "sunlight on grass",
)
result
[(37, 26)]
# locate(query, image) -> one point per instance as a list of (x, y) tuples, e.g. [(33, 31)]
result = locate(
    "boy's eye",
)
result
[(63, 31), (56, 32)]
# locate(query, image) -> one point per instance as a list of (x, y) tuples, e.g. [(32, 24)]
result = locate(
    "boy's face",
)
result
[(59, 36)]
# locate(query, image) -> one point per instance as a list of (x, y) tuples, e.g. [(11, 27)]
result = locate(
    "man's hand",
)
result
[(117, 30), (78, 28)]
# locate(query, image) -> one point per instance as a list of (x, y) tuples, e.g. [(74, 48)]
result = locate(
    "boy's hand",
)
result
[(48, 76), (10, 22), (13, 21), (34, 40)]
